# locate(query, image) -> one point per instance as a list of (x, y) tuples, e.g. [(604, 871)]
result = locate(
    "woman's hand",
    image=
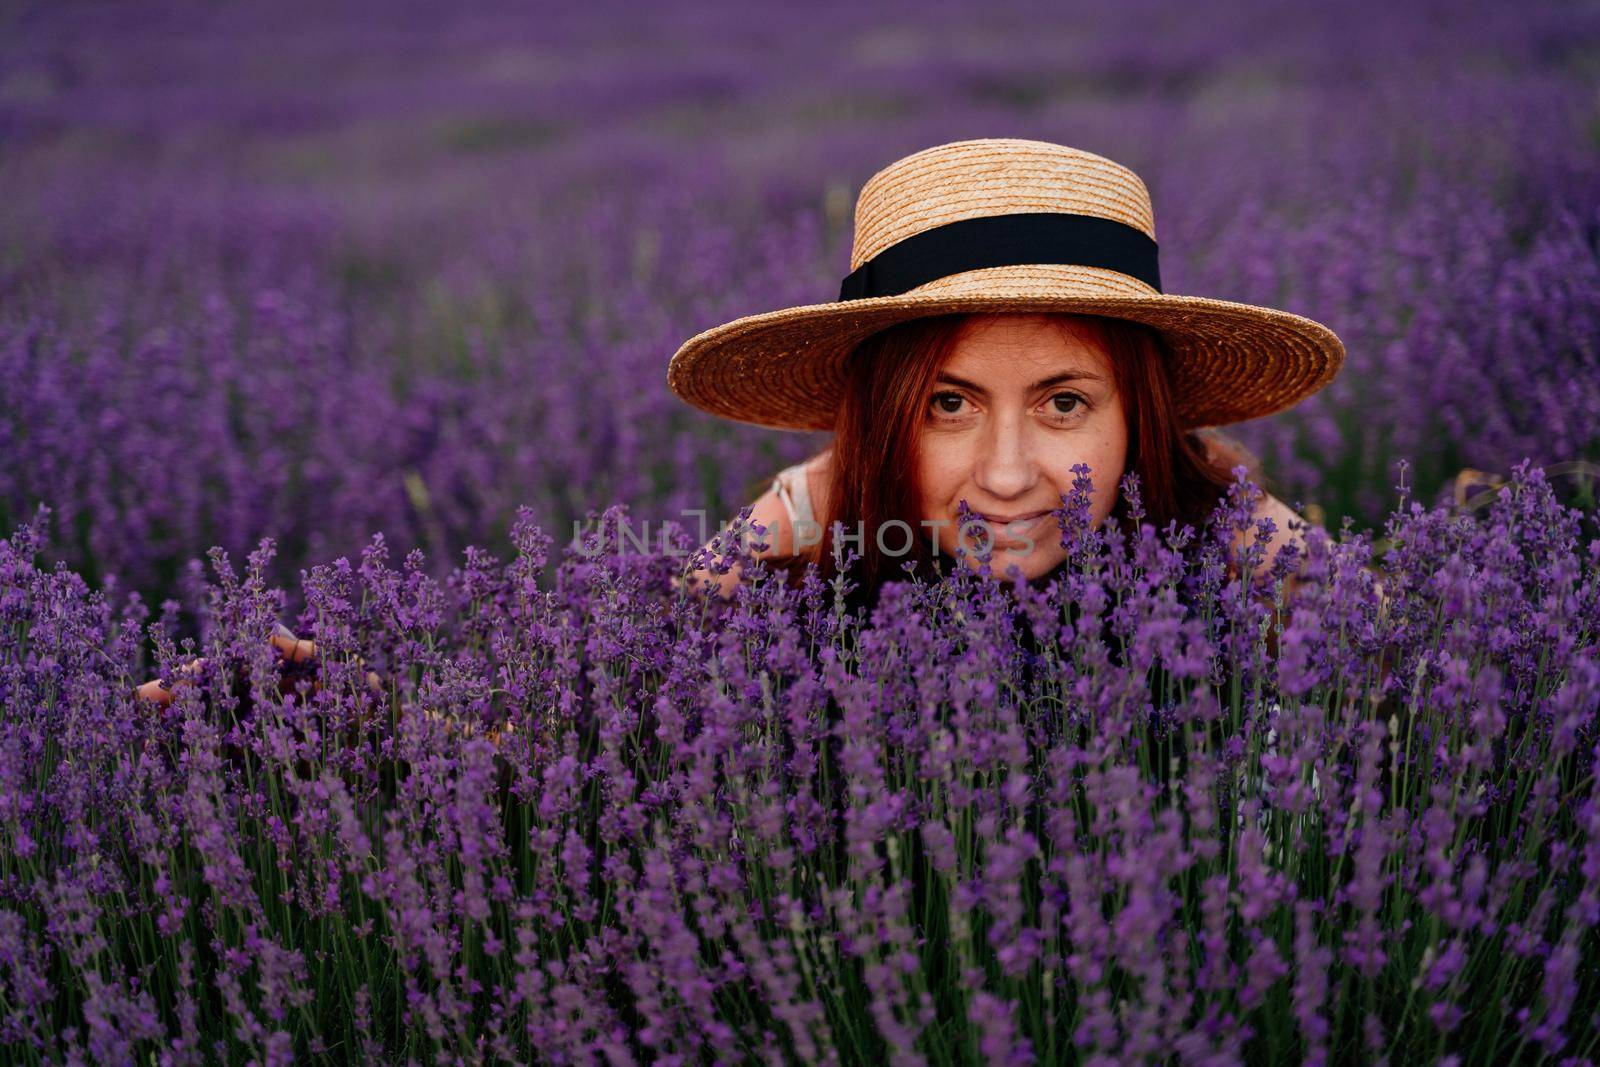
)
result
[(292, 649)]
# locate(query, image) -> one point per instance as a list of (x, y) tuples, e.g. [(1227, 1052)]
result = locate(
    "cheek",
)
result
[(1105, 459), (940, 467), (1107, 468)]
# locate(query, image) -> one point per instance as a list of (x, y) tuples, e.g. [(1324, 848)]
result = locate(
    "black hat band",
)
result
[(1005, 241)]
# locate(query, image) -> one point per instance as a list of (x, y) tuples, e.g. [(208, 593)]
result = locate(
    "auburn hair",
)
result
[(881, 418)]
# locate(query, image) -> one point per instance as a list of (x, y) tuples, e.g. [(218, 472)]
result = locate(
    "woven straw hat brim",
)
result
[(785, 369)]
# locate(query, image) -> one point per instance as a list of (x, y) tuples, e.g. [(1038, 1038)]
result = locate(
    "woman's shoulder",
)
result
[(818, 471), (776, 539), (1283, 533)]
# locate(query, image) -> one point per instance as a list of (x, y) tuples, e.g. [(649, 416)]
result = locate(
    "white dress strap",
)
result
[(795, 492)]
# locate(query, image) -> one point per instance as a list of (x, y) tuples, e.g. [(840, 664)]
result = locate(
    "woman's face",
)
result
[(1018, 402)]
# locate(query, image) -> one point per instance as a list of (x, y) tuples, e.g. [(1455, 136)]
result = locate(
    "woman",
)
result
[(996, 410), (1003, 320)]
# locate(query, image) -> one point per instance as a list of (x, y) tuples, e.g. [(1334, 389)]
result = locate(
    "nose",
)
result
[(1006, 467)]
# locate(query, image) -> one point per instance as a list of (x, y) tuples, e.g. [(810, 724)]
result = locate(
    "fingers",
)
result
[(152, 690), (294, 649)]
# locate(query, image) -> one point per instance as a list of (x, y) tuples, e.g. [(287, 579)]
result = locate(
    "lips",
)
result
[(1008, 528), (1008, 520)]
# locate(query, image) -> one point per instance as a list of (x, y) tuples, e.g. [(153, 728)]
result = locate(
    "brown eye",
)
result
[(947, 403), (1073, 399)]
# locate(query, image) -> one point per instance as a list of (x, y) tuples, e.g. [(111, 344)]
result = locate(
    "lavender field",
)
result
[(316, 273), (292, 292)]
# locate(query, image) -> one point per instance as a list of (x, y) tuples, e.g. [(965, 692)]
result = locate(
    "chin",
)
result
[(1032, 564)]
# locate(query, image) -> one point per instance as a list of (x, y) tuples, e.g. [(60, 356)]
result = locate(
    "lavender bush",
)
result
[(1342, 808), (273, 279)]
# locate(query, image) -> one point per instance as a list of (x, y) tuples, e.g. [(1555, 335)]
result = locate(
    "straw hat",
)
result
[(992, 225)]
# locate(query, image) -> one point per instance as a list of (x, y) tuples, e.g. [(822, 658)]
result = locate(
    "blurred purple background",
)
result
[(317, 271)]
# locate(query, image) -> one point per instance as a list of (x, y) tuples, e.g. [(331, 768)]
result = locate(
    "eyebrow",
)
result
[(1042, 383)]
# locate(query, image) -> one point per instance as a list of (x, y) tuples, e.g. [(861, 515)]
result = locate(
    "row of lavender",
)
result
[(321, 273), (1140, 813)]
